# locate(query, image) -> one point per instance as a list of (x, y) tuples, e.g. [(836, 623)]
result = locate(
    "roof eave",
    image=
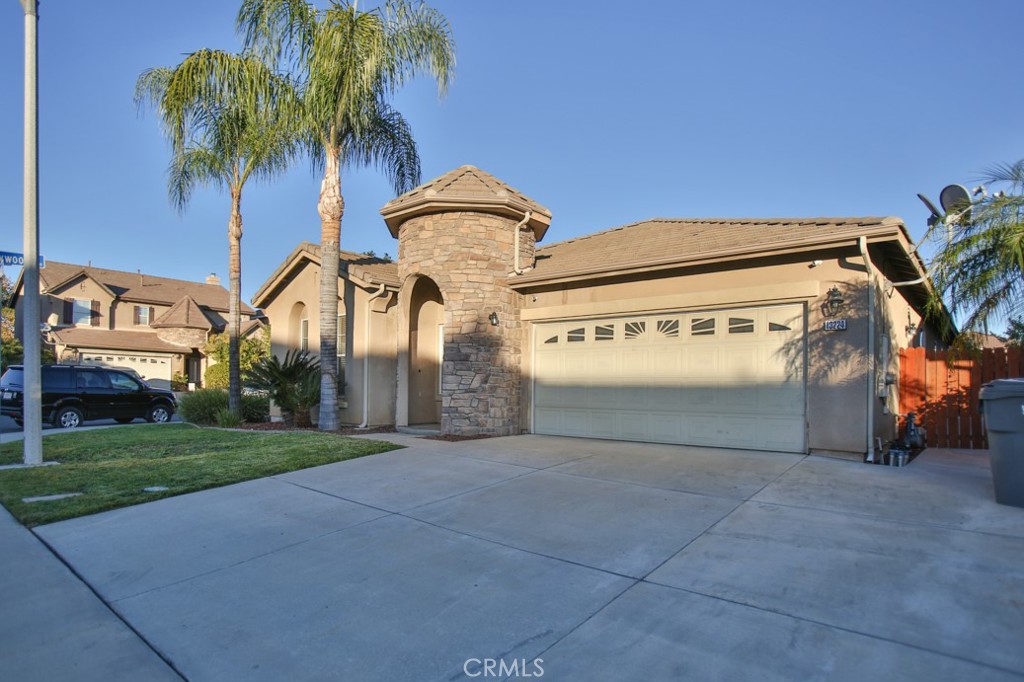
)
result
[(879, 233), (512, 207)]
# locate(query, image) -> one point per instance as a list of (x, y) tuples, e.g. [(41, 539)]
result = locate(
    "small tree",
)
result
[(293, 384), (251, 350), (1015, 332), (12, 348)]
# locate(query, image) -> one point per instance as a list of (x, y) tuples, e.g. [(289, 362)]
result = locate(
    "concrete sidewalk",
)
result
[(52, 626), (588, 559)]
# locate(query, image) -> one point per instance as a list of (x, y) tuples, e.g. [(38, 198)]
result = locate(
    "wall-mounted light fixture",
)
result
[(493, 319), (911, 328), (834, 302)]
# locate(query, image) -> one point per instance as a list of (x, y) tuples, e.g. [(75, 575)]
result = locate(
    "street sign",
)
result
[(12, 258)]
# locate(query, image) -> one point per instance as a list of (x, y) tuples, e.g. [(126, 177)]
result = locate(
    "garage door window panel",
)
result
[(702, 326), (741, 325)]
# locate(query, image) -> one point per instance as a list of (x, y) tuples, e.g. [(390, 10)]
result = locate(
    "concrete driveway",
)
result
[(577, 559)]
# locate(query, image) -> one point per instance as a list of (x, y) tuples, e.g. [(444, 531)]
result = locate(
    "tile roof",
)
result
[(664, 242), (464, 187), (185, 313), (80, 337), (142, 288), (369, 269)]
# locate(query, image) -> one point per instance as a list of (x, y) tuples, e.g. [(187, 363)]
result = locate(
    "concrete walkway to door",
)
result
[(583, 559)]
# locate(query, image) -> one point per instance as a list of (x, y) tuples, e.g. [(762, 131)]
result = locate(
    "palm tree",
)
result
[(226, 118), (348, 63), (979, 268)]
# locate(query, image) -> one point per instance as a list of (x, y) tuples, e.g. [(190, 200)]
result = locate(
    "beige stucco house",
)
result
[(156, 326), (778, 334)]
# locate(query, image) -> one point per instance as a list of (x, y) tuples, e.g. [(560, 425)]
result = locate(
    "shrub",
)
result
[(206, 406), (216, 376), (179, 382), (228, 419), (294, 384), (255, 408), (201, 407)]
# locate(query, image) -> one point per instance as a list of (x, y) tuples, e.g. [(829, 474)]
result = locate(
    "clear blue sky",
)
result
[(606, 113)]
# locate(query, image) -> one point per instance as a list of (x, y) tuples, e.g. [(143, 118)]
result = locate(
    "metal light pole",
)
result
[(30, 305)]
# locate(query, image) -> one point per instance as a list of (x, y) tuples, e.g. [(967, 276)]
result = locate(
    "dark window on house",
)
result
[(702, 326), (144, 315), (668, 328), (604, 332), (553, 339), (81, 312), (741, 325), (776, 327), (341, 342), (634, 330), (576, 335)]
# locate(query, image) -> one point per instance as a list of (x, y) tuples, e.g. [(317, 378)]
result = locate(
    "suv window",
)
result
[(13, 377), (123, 382), (92, 378), (56, 378)]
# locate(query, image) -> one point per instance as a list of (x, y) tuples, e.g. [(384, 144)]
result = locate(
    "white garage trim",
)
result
[(737, 296), (724, 377)]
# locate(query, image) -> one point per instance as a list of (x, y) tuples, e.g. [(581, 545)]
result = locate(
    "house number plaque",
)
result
[(834, 325)]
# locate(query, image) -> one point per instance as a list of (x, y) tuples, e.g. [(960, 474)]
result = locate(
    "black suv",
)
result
[(74, 393)]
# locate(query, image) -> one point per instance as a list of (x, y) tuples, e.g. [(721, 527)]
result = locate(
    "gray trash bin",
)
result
[(1003, 401)]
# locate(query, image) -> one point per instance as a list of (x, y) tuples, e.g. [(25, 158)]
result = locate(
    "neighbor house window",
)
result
[(304, 334), (82, 311), (143, 315)]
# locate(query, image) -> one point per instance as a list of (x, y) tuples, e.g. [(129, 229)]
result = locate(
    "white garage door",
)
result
[(725, 378), (154, 368)]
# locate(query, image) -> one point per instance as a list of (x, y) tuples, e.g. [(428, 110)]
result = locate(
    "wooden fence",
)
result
[(943, 391)]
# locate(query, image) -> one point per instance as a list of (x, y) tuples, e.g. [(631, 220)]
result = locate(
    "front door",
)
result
[(426, 353)]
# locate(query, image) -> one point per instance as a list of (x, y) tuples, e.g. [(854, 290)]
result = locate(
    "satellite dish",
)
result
[(956, 199), (931, 207)]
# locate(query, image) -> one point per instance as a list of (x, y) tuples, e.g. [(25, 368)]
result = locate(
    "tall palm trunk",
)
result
[(330, 207), (235, 301)]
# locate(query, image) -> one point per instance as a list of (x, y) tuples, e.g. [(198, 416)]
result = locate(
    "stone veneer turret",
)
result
[(460, 231)]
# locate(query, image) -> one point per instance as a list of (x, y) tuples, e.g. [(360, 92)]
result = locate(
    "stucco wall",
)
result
[(302, 290)]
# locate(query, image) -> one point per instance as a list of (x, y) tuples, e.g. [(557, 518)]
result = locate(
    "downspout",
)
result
[(862, 244), (517, 267), (381, 290)]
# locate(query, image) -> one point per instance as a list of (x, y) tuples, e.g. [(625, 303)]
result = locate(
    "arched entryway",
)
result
[(426, 352)]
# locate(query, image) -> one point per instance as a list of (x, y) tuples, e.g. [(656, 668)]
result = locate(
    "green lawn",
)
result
[(110, 467)]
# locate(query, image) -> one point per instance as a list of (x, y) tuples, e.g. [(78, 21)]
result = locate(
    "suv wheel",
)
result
[(159, 414), (68, 418)]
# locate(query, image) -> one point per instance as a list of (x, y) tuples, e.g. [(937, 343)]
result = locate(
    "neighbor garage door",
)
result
[(725, 378), (155, 368)]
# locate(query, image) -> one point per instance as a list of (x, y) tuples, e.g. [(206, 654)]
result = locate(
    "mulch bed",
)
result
[(454, 439), (344, 431)]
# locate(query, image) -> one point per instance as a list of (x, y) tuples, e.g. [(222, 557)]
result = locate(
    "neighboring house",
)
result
[(154, 325), (778, 334), (988, 340)]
